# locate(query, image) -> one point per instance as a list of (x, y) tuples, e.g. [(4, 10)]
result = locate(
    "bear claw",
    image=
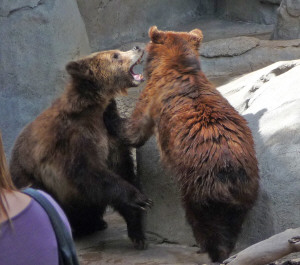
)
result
[(139, 244)]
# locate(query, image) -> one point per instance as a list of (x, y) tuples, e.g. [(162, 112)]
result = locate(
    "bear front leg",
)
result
[(104, 185), (132, 207), (120, 159), (138, 129), (122, 164), (140, 126), (100, 184), (135, 225), (112, 120), (134, 131)]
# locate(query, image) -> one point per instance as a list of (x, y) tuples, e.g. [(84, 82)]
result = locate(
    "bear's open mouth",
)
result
[(137, 77)]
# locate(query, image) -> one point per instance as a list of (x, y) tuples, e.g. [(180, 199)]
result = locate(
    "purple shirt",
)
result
[(31, 239)]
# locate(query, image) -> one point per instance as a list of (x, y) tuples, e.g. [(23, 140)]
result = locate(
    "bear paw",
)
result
[(139, 244)]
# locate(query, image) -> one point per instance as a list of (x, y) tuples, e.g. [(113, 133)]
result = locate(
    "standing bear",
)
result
[(202, 139), (69, 152)]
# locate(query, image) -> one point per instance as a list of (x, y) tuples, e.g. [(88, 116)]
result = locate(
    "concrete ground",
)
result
[(112, 246)]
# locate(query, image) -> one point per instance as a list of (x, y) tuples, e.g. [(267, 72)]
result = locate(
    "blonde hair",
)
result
[(6, 183)]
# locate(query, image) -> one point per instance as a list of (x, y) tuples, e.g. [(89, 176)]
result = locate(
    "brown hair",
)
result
[(5, 180)]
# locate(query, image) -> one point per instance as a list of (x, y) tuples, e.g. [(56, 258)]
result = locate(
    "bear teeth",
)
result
[(137, 77)]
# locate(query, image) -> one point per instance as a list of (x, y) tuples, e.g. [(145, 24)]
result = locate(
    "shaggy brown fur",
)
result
[(68, 151), (201, 137)]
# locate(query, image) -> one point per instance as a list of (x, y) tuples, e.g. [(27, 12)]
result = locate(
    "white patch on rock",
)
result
[(270, 100)]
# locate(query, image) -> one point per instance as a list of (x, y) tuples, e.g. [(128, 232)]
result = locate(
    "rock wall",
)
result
[(258, 11), (37, 39), (110, 23), (288, 21), (166, 220)]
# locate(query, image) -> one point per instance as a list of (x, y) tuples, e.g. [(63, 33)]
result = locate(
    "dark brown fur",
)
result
[(201, 137), (68, 151)]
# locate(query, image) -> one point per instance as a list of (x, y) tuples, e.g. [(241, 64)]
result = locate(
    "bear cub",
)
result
[(71, 152), (202, 139)]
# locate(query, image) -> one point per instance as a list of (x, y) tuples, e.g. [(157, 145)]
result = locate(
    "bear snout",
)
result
[(137, 48)]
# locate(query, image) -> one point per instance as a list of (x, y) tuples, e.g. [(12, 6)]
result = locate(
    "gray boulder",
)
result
[(37, 39), (288, 20), (227, 58), (166, 220), (228, 47), (112, 23), (270, 100)]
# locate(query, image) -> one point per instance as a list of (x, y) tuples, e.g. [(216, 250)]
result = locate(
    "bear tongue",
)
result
[(137, 77)]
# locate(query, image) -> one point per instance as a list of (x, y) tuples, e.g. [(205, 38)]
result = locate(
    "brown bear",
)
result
[(203, 140), (70, 151)]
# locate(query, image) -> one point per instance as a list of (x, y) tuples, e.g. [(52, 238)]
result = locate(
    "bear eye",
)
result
[(116, 56)]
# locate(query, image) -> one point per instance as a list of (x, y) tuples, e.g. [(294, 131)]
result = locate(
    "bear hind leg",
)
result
[(216, 227), (86, 219)]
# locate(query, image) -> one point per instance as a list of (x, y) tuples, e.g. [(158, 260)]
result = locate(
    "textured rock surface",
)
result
[(166, 218), (288, 20), (274, 2), (252, 11), (111, 22), (215, 28), (228, 47), (37, 39), (228, 65), (269, 99), (293, 7)]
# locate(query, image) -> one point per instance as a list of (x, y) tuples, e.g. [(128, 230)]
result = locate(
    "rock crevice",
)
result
[(6, 13), (228, 47)]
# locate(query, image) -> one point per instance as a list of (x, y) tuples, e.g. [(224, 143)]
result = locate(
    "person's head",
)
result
[(6, 183)]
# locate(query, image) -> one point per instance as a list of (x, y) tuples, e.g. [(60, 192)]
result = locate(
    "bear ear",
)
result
[(156, 36), (196, 37), (79, 69)]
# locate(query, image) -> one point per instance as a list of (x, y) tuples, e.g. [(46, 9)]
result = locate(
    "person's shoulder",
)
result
[(57, 208), (49, 198)]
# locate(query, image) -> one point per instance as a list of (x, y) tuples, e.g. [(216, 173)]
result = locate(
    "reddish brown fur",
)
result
[(68, 150), (201, 137)]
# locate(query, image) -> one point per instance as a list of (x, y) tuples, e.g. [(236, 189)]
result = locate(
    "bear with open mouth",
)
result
[(69, 152)]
